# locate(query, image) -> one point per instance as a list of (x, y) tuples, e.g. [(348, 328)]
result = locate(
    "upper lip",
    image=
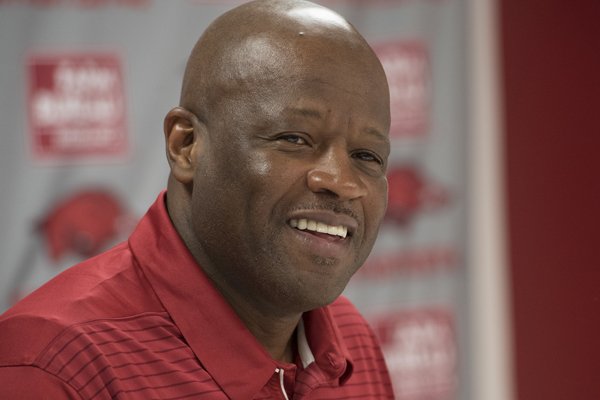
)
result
[(327, 217)]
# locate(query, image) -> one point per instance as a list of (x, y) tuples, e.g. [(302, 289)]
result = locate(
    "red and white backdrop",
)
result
[(86, 83)]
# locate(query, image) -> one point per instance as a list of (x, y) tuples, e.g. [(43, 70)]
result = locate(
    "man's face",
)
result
[(290, 189)]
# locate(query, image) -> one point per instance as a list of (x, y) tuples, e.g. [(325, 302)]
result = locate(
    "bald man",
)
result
[(229, 287)]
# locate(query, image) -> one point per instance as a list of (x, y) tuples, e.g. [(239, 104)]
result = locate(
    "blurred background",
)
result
[(485, 281)]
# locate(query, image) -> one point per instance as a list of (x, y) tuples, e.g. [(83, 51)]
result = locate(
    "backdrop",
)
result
[(86, 83)]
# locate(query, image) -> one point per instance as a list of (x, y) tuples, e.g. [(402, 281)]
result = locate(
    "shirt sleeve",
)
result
[(32, 383)]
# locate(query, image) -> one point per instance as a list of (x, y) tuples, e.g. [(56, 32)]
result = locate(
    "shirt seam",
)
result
[(57, 337), (73, 388)]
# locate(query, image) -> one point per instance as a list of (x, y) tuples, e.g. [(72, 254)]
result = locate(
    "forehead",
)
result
[(300, 53), (289, 71), (328, 100)]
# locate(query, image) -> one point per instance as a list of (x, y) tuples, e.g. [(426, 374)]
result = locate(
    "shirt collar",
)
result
[(306, 355), (214, 332)]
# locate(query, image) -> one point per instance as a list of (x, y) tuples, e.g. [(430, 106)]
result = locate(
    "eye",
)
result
[(367, 156), (292, 138)]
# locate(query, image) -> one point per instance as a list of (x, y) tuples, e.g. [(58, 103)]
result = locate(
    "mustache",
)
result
[(328, 205)]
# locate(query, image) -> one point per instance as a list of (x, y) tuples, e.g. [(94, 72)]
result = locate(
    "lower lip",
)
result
[(322, 244)]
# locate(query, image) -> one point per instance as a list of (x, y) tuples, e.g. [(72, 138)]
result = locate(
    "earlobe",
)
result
[(182, 139)]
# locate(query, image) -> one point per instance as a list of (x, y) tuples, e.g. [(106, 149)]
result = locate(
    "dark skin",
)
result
[(284, 118)]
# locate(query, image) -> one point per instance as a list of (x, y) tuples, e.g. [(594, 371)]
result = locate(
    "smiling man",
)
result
[(230, 285)]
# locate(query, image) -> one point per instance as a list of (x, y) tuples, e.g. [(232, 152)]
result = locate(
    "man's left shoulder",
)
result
[(342, 307), (370, 378), (349, 320)]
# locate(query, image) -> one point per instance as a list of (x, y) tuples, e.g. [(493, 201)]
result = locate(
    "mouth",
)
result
[(311, 225)]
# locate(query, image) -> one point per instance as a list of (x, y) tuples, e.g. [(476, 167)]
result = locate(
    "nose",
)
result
[(334, 174)]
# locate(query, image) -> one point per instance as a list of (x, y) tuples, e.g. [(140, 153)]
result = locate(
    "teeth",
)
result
[(314, 226), (321, 227)]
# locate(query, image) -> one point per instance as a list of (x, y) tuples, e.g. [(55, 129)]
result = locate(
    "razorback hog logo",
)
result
[(410, 193), (81, 224)]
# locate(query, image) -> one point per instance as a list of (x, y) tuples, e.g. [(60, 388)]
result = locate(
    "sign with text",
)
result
[(406, 65), (76, 106), (420, 350)]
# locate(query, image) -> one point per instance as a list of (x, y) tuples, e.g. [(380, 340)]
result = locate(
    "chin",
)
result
[(320, 297)]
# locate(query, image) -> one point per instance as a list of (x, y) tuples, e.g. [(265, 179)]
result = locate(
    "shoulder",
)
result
[(347, 316), (106, 286), (31, 383), (353, 328), (87, 358), (370, 375)]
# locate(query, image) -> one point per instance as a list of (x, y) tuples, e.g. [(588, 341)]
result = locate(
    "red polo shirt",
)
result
[(142, 321)]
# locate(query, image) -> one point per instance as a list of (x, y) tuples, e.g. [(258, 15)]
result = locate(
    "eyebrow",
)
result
[(377, 134), (307, 112), (316, 114)]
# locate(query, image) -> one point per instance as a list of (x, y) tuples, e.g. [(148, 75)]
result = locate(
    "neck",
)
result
[(277, 337), (273, 329)]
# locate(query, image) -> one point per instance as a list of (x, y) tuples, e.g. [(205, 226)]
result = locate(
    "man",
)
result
[(228, 287)]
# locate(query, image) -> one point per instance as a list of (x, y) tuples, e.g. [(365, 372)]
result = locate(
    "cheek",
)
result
[(268, 174), (257, 184), (260, 166), (239, 174), (385, 194), (375, 209)]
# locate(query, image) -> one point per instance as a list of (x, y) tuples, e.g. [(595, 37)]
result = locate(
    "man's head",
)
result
[(283, 125)]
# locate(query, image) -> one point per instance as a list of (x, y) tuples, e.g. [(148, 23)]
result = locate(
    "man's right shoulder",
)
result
[(42, 357), (108, 286), (24, 336)]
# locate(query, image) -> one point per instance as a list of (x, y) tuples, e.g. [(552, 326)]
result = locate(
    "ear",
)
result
[(183, 137)]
